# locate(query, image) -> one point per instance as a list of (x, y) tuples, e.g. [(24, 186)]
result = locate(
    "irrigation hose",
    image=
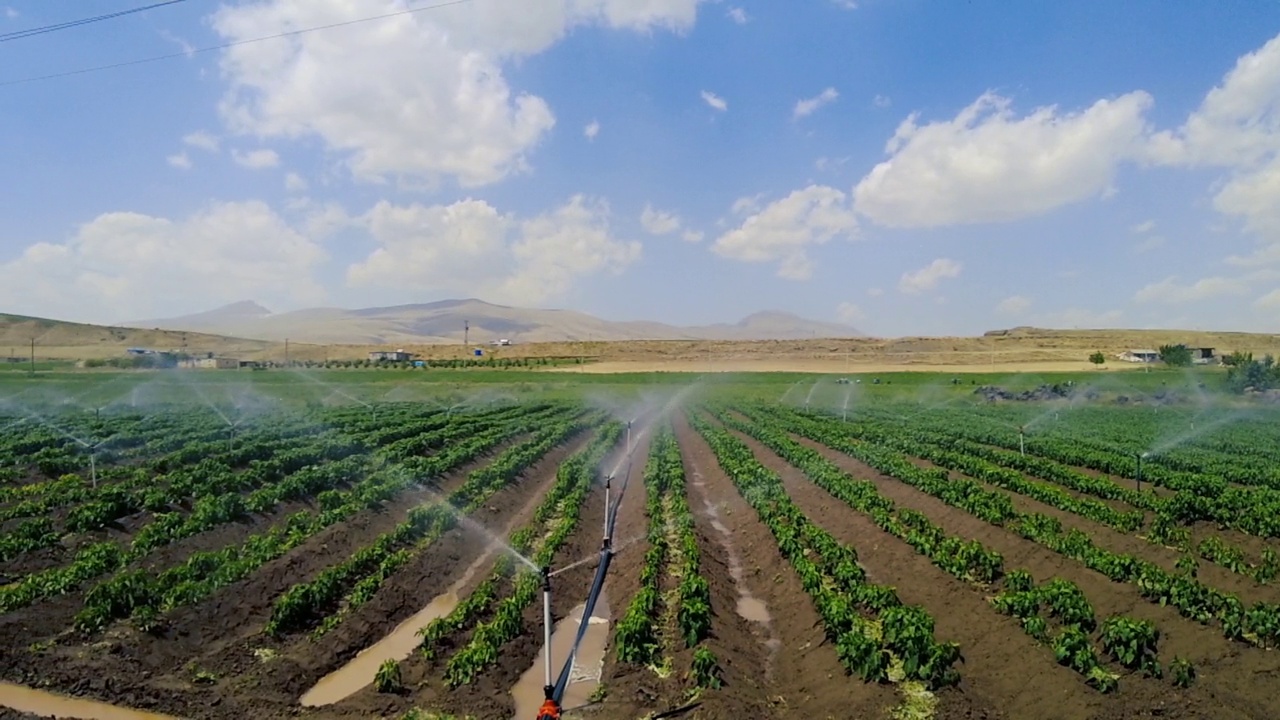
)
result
[(597, 585)]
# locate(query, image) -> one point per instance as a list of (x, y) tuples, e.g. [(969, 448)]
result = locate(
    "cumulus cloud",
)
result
[(848, 313), (293, 182), (783, 230), (658, 222), (470, 247), (180, 161), (1237, 126), (805, 108), (1143, 227), (881, 101), (1170, 291), (127, 265), (591, 130), (1270, 301), (989, 165), (737, 15), (417, 98), (928, 277), (201, 139), (714, 101), (256, 159), (692, 236), (1014, 305)]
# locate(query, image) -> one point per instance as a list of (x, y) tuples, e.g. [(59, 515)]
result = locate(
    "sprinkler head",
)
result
[(546, 578)]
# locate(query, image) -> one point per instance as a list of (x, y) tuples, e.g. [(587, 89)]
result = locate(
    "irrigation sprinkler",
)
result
[(608, 481), (1022, 440), (550, 708), (1138, 477), (606, 497)]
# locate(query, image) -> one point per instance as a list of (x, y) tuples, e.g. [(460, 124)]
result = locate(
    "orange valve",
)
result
[(550, 710)]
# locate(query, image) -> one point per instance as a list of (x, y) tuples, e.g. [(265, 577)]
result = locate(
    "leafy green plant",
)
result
[(705, 671), (1183, 672), (387, 679)]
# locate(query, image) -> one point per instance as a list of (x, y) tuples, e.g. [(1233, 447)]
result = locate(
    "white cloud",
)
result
[(1267, 255), (1237, 124), (881, 101), (256, 159), (823, 164), (1143, 227), (738, 15), (180, 161), (1169, 291), (845, 4), (293, 182), (692, 236), (1150, 243), (591, 130), (987, 165), (875, 291), (1014, 305), (783, 230), (848, 313), (11, 13), (928, 277), (715, 101), (126, 265), (1270, 301), (201, 139), (418, 98), (809, 106), (469, 247), (658, 222), (1251, 196)]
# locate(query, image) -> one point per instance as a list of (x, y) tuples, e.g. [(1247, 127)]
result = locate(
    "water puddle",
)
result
[(45, 704), (396, 645), (588, 665), (749, 607)]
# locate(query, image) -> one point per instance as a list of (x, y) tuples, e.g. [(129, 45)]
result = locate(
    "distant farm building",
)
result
[(1202, 355), (1146, 356), (390, 356), (218, 363)]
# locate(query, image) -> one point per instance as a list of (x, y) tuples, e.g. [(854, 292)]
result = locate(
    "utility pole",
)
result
[(466, 332)]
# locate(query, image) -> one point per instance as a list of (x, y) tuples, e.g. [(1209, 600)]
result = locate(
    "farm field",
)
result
[(348, 544)]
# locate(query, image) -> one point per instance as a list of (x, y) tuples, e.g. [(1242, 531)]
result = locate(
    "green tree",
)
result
[(1098, 358), (1175, 355)]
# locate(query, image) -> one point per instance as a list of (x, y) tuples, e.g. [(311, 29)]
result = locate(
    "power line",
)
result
[(31, 32), (224, 46)]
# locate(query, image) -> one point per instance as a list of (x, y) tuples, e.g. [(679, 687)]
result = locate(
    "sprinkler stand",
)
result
[(607, 482), (1139, 475), (93, 469), (1022, 442), (550, 709)]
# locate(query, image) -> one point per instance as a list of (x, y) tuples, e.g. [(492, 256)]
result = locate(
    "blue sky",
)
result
[(909, 167)]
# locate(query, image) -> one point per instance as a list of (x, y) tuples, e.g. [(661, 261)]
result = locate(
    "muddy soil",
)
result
[(803, 678), (155, 672), (1234, 680)]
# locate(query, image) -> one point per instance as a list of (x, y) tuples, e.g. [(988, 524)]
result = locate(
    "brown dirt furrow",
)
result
[(1005, 673), (1229, 683), (490, 695), (1116, 541), (301, 662), (125, 664), (802, 676)]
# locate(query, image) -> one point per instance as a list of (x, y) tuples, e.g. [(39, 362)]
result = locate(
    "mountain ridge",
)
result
[(443, 321)]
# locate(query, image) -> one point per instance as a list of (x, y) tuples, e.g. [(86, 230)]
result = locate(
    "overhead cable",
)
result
[(224, 46), (46, 29)]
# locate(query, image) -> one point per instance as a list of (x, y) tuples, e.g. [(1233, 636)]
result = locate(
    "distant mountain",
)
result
[(443, 322)]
